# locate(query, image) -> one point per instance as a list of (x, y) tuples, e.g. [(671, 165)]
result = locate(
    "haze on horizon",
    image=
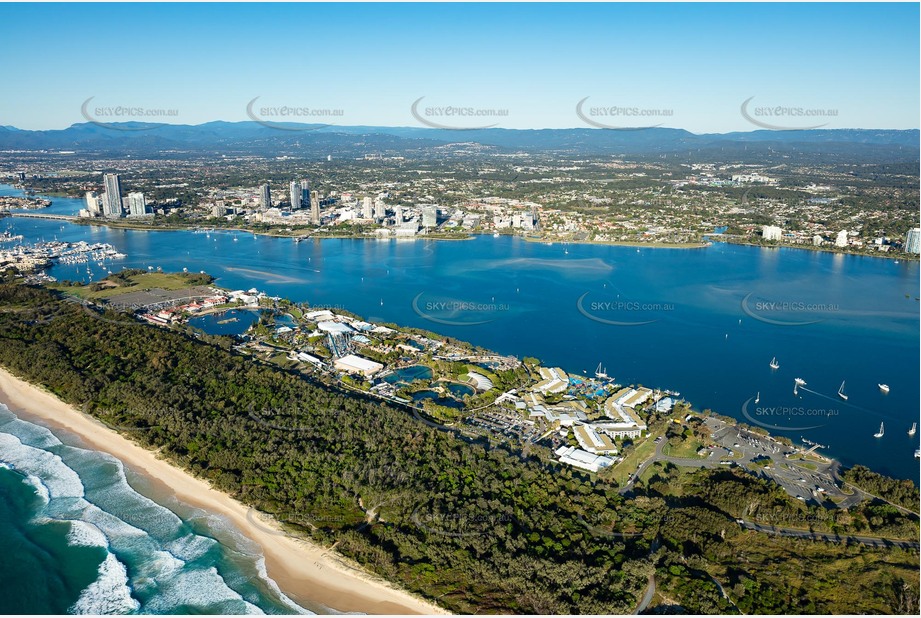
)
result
[(691, 66)]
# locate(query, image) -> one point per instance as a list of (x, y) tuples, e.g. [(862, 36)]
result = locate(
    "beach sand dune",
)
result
[(304, 571)]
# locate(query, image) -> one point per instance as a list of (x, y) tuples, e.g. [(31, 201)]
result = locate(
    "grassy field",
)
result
[(622, 471), (686, 450), (144, 281)]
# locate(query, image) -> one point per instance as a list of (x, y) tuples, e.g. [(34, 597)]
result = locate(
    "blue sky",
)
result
[(537, 61)]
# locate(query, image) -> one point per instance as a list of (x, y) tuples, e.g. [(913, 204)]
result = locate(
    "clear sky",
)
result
[(372, 61)]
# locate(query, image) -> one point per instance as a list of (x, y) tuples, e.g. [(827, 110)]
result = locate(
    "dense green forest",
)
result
[(474, 526), (901, 492)]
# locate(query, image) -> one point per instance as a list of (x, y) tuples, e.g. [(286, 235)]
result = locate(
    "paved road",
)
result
[(831, 537), (657, 455), (650, 592), (35, 215)]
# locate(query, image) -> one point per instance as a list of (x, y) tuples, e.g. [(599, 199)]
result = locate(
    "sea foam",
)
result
[(109, 594)]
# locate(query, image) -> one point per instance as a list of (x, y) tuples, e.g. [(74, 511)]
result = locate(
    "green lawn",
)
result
[(686, 450), (144, 281), (643, 451)]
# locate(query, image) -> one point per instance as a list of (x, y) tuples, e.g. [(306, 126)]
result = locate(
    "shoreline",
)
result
[(885, 255), (118, 224), (622, 243), (304, 571)]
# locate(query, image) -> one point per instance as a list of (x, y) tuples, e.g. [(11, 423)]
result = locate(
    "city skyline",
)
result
[(519, 66)]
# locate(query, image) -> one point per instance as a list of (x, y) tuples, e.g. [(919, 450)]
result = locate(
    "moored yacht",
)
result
[(601, 373)]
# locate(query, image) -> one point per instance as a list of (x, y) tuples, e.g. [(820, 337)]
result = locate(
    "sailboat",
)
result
[(913, 430), (774, 363), (601, 373), (758, 397), (879, 434), (841, 391)]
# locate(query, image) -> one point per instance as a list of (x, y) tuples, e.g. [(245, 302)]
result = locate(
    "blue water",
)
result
[(211, 323), (408, 374), (448, 402), (687, 320), (459, 390), (89, 536), (59, 205)]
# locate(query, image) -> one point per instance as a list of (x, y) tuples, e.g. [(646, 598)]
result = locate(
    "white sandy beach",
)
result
[(303, 570)]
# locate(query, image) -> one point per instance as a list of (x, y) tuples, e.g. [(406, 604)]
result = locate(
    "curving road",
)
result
[(830, 537)]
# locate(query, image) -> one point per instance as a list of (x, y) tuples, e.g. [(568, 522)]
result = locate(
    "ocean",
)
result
[(85, 535)]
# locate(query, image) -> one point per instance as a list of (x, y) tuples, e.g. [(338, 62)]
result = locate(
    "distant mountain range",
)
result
[(257, 138)]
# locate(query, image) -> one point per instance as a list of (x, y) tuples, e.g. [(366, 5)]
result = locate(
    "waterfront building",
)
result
[(553, 380), (430, 216), (92, 203), (265, 196), (137, 205), (299, 191), (841, 239), (367, 208), (315, 209), (112, 198), (913, 241), (771, 232), (407, 228), (380, 210), (294, 190)]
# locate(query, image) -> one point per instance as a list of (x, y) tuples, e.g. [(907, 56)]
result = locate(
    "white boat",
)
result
[(496, 235), (879, 434), (913, 430), (800, 381), (758, 397), (774, 363), (841, 391), (883, 387), (601, 373), (918, 453)]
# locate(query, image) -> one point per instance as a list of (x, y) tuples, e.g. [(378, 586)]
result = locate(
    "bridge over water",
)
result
[(38, 215)]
